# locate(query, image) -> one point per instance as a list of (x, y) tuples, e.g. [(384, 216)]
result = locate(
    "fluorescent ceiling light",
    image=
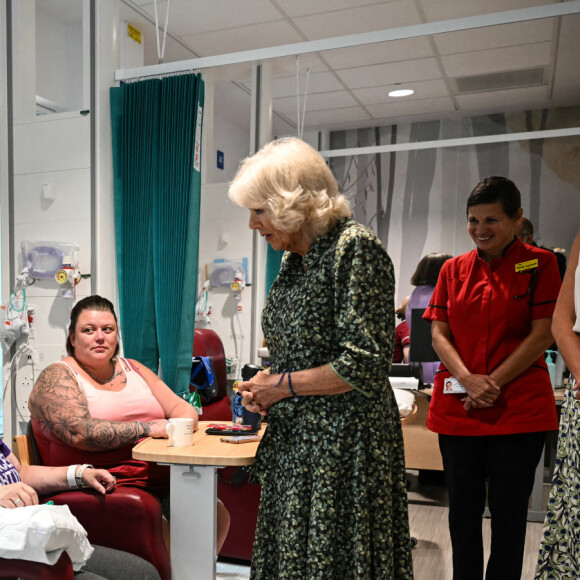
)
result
[(401, 93)]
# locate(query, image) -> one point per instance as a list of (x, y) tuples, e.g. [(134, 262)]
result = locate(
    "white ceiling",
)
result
[(348, 87)]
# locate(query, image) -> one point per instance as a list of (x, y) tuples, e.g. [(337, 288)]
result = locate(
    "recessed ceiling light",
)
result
[(401, 93)]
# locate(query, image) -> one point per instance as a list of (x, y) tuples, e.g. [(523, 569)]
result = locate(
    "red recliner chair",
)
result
[(13, 569), (240, 497), (128, 519)]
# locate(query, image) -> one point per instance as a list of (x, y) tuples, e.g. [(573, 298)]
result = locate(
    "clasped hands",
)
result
[(261, 392), (482, 391)]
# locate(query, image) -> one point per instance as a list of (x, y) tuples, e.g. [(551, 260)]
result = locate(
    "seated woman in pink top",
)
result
[(93, 406)]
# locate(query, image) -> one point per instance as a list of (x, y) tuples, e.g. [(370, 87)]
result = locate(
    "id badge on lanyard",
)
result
[(451, 386)]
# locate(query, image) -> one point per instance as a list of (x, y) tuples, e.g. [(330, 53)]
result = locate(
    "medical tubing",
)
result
[(23, 300)]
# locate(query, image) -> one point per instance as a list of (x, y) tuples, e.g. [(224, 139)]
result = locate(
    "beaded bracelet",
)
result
[(280, 381), (139, 429), (289, 372)]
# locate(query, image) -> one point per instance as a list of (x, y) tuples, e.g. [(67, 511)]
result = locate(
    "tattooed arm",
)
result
[(57, 400)]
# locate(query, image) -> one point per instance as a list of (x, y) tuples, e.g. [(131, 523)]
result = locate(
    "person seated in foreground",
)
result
[(20, 486), (93, 406)]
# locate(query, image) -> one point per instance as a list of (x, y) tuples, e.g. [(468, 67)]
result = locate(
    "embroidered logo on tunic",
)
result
[(529, 265)]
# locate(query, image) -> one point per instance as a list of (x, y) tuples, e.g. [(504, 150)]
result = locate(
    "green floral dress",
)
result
[(559, 557), (334, 500)]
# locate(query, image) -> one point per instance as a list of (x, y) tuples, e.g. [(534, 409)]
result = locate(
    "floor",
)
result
[(428, 521)]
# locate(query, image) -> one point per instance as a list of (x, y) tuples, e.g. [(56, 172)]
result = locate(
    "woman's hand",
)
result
[(249, 403), (156, 429), (483, 390), (99, 479), (16, 495), (262, 391)]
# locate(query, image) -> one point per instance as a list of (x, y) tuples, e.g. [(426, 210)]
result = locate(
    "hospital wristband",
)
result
[(79, 474), (70, 476)]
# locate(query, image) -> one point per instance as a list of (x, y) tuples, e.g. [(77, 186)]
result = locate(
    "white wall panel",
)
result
[(72, 190), (58, 143)]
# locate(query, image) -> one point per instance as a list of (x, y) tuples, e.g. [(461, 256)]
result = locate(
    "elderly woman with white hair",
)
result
[(331, 463)]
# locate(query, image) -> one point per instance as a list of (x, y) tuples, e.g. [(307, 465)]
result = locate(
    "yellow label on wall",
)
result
[(133, 33), (529, 265)]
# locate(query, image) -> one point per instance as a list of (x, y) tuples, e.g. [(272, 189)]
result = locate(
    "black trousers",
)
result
[(507, 463)]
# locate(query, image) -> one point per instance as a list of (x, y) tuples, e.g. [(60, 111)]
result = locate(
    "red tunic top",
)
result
[(489, 310)]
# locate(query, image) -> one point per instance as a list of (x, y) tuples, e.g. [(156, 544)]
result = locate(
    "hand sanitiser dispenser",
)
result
[(551, 362)]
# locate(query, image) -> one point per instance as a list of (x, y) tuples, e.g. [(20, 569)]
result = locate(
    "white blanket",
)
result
[(405, 401), (41, 533)]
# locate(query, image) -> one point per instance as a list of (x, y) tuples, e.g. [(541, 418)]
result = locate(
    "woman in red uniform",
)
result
[(492, 311)]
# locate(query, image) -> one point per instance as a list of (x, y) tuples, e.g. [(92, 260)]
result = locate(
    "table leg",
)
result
[(193, 522)]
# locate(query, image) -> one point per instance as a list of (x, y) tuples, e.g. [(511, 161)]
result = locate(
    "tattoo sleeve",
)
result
[(57, 400)]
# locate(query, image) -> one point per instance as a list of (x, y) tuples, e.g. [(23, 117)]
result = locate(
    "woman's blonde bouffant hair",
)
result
[(293, 184)]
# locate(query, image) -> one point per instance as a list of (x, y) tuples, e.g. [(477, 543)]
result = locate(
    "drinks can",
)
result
[(237, 407)]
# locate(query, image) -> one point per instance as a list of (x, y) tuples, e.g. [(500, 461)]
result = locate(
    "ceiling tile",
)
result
[(504, 99), (315, 102), (364, 73), (500, 59), (378, 53), (423, 90), (243, 38), (304, 7), (382, 74), (435, 106), (333, 116), (318, 83), (187, 17), (495, 36), (358, 20), (286, 66), (446, 9)]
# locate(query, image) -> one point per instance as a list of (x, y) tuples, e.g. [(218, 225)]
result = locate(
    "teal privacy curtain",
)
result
[(157, 153), (273, 261)]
